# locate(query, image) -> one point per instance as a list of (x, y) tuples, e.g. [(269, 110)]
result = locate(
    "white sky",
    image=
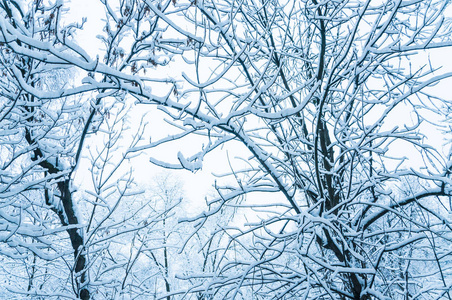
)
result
[(196, 185), (199, 184)]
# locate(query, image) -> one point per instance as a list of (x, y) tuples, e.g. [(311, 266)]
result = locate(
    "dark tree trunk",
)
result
[(76, 239), (67, 216)]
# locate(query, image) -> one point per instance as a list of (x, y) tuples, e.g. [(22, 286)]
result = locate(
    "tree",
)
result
[(160, 245), (37, 155), (45, 123), (319, 95)]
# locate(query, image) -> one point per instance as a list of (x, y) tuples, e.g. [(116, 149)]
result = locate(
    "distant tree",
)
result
[(167, 192)]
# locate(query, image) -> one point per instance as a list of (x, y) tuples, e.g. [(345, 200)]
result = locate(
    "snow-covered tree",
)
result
[(335, 103), (48, 118), (329, 114)]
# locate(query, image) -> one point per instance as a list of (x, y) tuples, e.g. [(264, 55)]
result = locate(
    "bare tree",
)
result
[(46, 120), (316, 96), (322, 94), (36, 153)]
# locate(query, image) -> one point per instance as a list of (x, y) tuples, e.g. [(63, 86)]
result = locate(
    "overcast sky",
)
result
[(198, 184)]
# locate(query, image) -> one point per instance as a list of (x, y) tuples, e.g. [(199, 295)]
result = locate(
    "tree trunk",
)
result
[(76, 239)]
